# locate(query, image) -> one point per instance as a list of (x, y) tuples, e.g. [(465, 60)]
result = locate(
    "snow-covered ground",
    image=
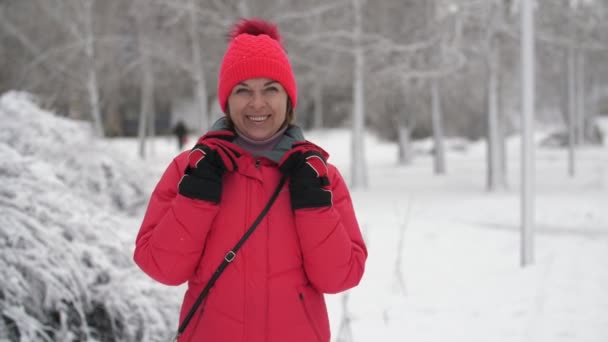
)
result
[(460, 257), (456, 277)]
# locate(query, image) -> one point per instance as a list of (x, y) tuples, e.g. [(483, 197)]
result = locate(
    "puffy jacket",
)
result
[(273, 290)]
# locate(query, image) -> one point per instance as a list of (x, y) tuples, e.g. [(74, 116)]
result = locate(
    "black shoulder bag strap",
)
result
[(228, 259)]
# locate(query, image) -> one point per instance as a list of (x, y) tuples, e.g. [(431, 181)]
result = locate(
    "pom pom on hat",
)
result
[(255, 50), (255, 27)]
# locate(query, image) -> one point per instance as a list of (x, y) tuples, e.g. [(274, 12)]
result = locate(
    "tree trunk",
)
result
[(502, 125), (571, 64), (580, 97), (113, 118), (404, 143), (502, 146), (564, 101), (200, 85), (493, 145), (92, 83), (439, 155), (358, 166), (528, 97), (142, 122), (151, 107), (593, 103), (317, 90), (146, 109)]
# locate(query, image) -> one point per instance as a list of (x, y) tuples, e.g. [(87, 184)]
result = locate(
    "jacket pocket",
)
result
[(306, 296)]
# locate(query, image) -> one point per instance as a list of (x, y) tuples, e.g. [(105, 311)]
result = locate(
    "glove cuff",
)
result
[(206, 189)]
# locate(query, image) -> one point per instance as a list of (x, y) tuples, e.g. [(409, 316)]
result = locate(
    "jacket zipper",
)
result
[(310, 321), (257, 163)]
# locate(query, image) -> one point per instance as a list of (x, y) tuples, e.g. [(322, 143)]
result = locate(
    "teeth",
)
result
[(258, 118)]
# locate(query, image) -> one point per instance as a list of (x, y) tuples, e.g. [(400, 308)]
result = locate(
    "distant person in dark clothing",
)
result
[(180, 132)]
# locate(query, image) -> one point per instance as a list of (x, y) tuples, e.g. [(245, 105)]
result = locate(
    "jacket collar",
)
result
[(292, 135)]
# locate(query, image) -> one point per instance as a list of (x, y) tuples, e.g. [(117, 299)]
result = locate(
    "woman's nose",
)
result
[(257, 100)]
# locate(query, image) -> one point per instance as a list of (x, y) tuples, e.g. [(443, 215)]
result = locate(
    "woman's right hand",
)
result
[(207, 162)]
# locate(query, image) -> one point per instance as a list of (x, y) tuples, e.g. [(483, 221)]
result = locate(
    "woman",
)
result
[(306, 244)]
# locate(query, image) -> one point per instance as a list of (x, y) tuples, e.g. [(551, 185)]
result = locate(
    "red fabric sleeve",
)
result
[(172, 236), (332, 246)]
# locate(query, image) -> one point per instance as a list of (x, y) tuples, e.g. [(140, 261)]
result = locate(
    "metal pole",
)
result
[(527, 147)]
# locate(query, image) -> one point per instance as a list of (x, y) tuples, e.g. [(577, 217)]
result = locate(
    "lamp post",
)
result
[(527, 147)]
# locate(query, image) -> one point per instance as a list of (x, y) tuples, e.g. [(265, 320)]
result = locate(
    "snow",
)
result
[(444, 260), (67, 225), (460, 261)]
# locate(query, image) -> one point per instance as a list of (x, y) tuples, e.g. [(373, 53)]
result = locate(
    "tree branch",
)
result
[(300, 14)]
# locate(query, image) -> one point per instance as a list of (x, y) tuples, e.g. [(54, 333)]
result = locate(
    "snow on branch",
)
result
[(205, 14), (315, 11), (66, 235), (401, 71)]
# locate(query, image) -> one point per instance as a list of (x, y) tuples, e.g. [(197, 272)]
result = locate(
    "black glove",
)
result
[(306, 165), (207, 162)]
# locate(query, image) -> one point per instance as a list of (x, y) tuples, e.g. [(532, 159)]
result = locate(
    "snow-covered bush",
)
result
[(67, 232)]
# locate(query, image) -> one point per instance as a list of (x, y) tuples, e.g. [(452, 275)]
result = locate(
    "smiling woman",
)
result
[(258, 108), (300, 243)]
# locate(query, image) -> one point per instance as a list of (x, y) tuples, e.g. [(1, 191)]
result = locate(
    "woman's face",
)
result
[(258, 107)]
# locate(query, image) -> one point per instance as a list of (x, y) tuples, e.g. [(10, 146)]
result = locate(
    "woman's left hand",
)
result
[(309, 187)]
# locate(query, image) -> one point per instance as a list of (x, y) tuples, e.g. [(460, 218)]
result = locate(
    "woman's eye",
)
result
[(272, 89), (242, 91)]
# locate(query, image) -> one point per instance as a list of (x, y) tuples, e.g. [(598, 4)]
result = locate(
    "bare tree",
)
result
[(81, 40), (146, 111), (439, 150), (573, 27), (438, 12), (86, 57), (200, 84), (496, 175), (91, 65), (358, 163)]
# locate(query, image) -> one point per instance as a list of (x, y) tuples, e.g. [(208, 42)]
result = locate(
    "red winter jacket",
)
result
[(273, 290)]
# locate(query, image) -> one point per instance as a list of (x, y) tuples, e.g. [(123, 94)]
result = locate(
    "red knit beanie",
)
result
[(255, 50)]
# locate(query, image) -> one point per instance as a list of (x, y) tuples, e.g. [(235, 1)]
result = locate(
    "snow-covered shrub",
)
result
[(66, 235), (88, 166)]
